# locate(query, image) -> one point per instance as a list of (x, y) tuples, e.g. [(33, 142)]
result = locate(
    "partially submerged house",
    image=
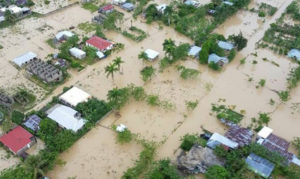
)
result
[(161, 8), (228, 3), (106, 9), (260, 165), (240, 135), (274, 143), (118, 2), (99, 43), (63, 35), (33, 122), (77, 53), (99, 18), (74, 96), (294, 53), (66, 117), (2, 18), (192, 3), (44, 71), (194, 51), (217, 139), (225, 45), (197, 160), (128, 6), (221, 61), (24, 59), (18, 140), (5, 100), (151, 54)]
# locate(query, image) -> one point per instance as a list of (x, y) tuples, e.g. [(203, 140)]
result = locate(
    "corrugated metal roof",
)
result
[(225, 45), (33, 122), (23, 59), (260, 165), (217, 139), (194, 51)]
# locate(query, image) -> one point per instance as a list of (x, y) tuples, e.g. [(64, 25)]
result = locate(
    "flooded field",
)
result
[(97, 155)]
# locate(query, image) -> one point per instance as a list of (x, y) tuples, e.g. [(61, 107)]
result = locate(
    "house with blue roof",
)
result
[(225, 45), (259, 165), (294, 53), (221, 61)]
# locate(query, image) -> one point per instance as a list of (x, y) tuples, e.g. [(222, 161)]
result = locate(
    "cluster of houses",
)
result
[(18, 140), (199, 159), (17, 11), (221, 61), (43, 70)]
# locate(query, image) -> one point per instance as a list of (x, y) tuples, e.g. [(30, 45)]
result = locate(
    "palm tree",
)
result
[(110, 70), (118, 61), (169, 46), (34, 164)]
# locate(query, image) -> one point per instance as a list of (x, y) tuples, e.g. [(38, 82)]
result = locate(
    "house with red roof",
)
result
[(106, 9), (101, 44), (18, 140)]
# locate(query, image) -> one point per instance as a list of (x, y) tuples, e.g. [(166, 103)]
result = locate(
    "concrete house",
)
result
[(74, 96), (218, 139), (221, 61), (44, 71), (106, 9), (77, 53), (66, 117), (225, 45), (24, 59), (194, 51), (33, 122), (18, 140), (99, 43), (63, 35), (128, 6), (118, 2)]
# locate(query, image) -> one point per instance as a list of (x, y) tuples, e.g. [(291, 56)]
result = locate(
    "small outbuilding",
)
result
[(118, 2), (151, 54), (128, 6), (259, 165), (66, 117), (24, 59), (74, 96), (100, 55), (77, 53), (18, 140), (63, 35), (33, 122), (106, 9), (161, 8), (194, 51), (294, 53)]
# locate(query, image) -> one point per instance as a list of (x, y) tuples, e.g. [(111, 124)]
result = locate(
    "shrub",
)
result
[(188, 140), (262, 82), (17, 117), (261, 14), (163, 169), (153, 100), (191, 105), (214, 66), (239, 40), (216, 172), (283, 95), (147, 73), (123, 137), (187, 73)]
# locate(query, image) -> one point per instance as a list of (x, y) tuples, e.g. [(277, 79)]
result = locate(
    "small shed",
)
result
[(217, 59), (228, 3), (128, 6), (225, 45), (15, 10), (77, 53), (259, 165), (33, 122), (74, 96), (218, 139), (100, 55), (194, 51), (294, 53), (151, 54), (24, 59), (118, 2), (265, 132), (161, 8)]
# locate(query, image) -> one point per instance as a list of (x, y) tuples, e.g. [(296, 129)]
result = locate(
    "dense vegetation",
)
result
[(141, 35), (226, 113), (188, 140)]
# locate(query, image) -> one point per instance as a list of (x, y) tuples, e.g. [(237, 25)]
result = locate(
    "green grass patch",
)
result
[(90, 6)]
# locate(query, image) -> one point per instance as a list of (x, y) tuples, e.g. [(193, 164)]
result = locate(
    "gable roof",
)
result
[(151, 54), (242, 136), (99, 43), (260, 165), (225, 45), (294, 53), (23, 59), (33, 122), (108, 7), (75, 96), (194, 51), (64, 34), (16, 139), (217, 139), (215, 58), (66, 117), (265, 132)]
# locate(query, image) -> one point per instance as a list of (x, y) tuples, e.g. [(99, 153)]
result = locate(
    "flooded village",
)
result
[(149, 89)]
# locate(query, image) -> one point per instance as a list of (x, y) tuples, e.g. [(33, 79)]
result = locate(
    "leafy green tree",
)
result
[(239, 41), (163, 169), (188, 140), (143, 56), (169, 46), (99, 32), (34, 164), (151, 13), (117, 98), (17, 117), (216, 172), (48, 129)]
